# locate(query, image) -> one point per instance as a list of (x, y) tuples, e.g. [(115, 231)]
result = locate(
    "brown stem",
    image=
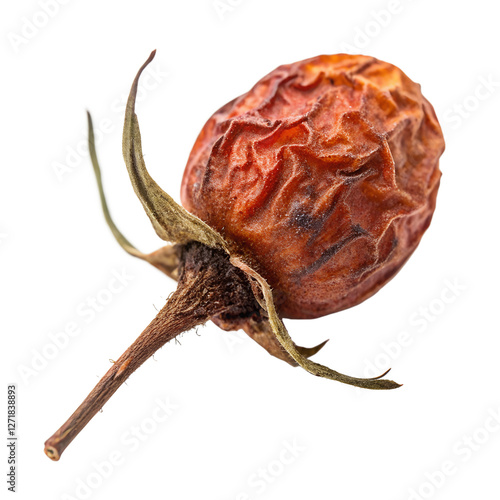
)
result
[(208, 285), (170, 321)]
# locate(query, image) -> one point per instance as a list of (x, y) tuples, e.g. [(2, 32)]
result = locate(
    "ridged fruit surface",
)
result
[(323, 177)]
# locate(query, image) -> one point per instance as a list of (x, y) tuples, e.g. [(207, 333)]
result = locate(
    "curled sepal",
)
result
[(166, 258), (284, 339), (170, 221), (259, 330)]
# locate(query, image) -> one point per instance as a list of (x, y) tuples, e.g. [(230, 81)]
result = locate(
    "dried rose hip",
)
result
[(324, 177), (304, 196)]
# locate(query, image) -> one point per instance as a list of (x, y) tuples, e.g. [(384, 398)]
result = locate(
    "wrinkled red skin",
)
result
[(324, 177)]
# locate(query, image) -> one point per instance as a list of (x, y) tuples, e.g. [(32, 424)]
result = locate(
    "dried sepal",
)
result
[(281, 333), (259, 329), (165, 259), (170, 221)]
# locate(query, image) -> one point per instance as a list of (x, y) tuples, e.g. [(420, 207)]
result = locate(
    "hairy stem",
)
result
[(172, 320), (208, 285)]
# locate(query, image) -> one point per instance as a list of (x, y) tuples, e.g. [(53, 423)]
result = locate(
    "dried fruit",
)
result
[(324, 177), (317, 184)]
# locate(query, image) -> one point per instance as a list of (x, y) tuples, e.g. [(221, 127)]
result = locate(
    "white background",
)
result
[(237, 408)]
